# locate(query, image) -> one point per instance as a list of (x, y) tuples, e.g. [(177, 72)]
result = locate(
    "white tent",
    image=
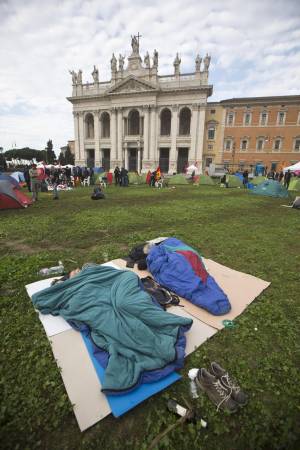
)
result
[(293, 168)]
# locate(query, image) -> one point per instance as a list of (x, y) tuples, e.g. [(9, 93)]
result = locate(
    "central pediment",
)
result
[(131, 85)]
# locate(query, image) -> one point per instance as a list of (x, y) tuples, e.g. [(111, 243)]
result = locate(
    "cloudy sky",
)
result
[(255, 49)]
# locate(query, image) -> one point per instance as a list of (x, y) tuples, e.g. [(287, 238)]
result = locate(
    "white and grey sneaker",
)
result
[(219, 394), (236, 393)]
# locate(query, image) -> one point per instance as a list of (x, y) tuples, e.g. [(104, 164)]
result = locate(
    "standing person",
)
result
[(287, 178), (124, 177), (117, 175), (245, 178), (280, 176), (55, 182), (27, 178), (35, 182)]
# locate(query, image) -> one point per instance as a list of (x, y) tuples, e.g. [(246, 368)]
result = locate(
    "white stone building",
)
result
[(139, 119)]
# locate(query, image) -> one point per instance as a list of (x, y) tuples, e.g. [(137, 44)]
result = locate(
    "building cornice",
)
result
[(261, 100)]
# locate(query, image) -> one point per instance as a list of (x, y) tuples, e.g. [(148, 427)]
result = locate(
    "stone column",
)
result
[(97, 137), (146, 133), (113, 136), (126, 157), (200, 137), (82, 158), (152, 150), (174, 132), (120, 137), (139, 159), (76, 136), (194, 126)]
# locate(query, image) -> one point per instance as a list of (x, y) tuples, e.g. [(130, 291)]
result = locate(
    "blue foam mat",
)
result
[(120, 404)]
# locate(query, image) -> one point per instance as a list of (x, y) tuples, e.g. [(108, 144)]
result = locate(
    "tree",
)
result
[(51, 157), (25, 153), (3, 165), (61, 159), (69, 157)]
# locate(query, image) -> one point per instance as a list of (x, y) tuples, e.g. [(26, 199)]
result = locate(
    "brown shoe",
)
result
[(219, 394), (236, 393)]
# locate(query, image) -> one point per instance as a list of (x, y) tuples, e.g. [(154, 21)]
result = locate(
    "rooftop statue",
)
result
[(147, 60), (79, 77), (206, 62), (177, 61), (74, 76), (198, 61), (95, 75), (121, 62), (155, 58), (135, 45), (113, 63)]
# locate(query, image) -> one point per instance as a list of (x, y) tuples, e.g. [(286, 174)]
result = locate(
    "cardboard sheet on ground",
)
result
[(240, 288), (79, 375)]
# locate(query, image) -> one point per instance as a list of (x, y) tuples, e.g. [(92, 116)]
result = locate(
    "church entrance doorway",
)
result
[(106, 159), (132, 160), (182, 160), (164, 159)]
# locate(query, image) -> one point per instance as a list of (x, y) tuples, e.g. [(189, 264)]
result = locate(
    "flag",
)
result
[(158, 174)]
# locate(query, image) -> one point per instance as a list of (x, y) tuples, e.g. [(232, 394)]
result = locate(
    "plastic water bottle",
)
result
[(193, 386), (176, 408), (55, 270)]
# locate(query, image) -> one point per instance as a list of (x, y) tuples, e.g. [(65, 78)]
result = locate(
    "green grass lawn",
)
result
[(247, 233)]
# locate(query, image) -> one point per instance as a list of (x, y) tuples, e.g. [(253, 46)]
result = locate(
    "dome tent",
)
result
[(11, 197), (258, 180), (206, 180), (135, 178), (294, 184), (177, 179), (233, 181), (270, 188)]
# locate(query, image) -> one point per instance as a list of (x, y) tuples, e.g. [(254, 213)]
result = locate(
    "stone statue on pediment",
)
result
[(198, 62), (95, 75), (155, 58), (74, 76), (113, 63), (121, 62), (135, 45), (206, 62), (79, 77), (147, 60)]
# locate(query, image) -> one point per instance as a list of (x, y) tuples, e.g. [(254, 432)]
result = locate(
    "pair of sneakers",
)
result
[(220, 388)]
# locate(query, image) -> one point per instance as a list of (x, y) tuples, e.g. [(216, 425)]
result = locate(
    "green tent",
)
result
[(206, 180), (233, 181), (177, 179), (270, 188), (294, 184), (135, 178), (258, 180)]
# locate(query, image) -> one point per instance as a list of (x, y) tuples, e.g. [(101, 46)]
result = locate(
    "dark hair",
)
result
[(58, 280)]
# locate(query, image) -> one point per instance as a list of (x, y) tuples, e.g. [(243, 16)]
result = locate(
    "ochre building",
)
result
[(248, 131)]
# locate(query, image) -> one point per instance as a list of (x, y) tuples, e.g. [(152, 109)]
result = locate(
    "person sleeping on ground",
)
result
[(134, 339)]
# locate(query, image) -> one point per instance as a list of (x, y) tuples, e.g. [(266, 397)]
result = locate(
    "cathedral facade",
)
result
[(140, 119)]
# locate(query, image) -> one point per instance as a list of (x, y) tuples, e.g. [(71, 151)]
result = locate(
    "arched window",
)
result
[(105, 125), (133, 122), (184, 122), (89, 126), (165, 122)]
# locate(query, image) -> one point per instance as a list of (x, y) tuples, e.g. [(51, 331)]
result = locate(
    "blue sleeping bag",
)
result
[(180, 268)]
